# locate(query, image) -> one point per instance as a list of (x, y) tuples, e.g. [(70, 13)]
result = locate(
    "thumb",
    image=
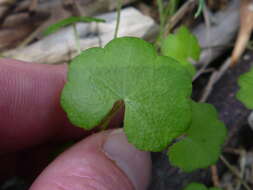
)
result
[(104, 161)]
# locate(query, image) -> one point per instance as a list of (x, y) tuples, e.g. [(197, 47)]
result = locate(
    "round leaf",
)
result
[(182, 46), (202, 144), (155, 90)]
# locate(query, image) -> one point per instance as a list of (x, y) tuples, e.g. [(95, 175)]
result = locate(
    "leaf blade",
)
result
[(182, 46), (70, 20), (203, 141), (134, 73)]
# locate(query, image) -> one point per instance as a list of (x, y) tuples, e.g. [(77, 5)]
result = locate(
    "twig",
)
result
[(235, 172), (214, 78), (222, 32), (233, 151), (224, 68), (73, 7), (209, 50), (118, 18), (246, 28), (6, 7), (215, 177), (209, 87), (188, 6), (32, 35), (33, 5), (242, 167)]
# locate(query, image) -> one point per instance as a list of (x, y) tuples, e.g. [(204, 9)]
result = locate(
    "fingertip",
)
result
[(102, 161), (29, 103)]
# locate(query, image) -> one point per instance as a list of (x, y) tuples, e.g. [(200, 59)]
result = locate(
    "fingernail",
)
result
[(134, 163)]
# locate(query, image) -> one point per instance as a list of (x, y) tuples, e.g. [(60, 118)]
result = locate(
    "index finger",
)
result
[(30, 111)]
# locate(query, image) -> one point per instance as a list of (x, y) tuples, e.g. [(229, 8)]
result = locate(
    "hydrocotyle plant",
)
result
[(155, 91)]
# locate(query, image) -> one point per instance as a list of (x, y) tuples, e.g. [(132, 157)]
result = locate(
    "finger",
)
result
[(29, 104), (105, 161)]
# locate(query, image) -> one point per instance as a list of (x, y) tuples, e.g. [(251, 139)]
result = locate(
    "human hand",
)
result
[(31, 115)]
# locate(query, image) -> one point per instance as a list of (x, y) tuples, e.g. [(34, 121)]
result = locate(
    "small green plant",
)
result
[(155, 91), (197, 186)]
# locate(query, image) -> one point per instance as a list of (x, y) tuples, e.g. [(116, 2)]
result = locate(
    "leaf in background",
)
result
[(245, 94), (155, 89), (70, 20), (195, 186), (198, 186), (202, 144), (182, 46)]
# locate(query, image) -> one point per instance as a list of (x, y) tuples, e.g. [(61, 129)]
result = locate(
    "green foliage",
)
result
[(245, 94), (198, 186), (202, 143), (155, 89), (182, 46), (70, 20), (195, 186), (156, 93)]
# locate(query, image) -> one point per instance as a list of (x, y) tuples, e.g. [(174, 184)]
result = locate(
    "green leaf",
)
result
[(202, 143), (70, 20), (155, 89), (182, 46), (245, 94), (198, 186), (195, 186)]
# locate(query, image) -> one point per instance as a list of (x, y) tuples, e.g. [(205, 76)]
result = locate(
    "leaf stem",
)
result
[(116, 107), (161, 16), (118, 18), (77, 39), (162, 23), (200, 8)]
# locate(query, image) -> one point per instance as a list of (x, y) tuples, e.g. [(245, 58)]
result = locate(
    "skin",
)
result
[(32, 121)]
